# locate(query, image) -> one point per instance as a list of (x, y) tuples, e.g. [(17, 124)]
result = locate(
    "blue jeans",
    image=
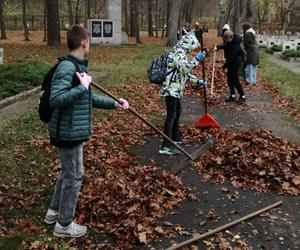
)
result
[(250, 73), (68, 183)]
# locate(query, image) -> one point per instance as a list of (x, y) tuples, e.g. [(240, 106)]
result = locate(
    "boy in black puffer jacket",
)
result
[(234, 56)]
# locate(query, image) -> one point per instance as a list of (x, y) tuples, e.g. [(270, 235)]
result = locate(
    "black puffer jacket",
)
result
[(233, 52)]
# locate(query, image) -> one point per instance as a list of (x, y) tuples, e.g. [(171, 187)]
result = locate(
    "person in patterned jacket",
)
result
[(180, 68)]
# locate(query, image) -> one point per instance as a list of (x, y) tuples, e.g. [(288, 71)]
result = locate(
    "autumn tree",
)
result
[(25, 21), (173, 22), (134, 22), (53, 27), (2, 23)]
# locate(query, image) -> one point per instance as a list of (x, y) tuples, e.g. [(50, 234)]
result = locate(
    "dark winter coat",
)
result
[(233, 52), (251, 47), (73, 103)]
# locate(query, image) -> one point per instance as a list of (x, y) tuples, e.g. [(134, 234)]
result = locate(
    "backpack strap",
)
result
[(75, 82)]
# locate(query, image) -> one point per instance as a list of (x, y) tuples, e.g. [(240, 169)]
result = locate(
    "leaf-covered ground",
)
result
[(122, 200)]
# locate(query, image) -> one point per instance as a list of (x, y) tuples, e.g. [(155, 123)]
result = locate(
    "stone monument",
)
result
[(108, 31)]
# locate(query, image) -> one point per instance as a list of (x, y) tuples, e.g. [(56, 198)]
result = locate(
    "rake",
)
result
[(206, 120), (189, 157)]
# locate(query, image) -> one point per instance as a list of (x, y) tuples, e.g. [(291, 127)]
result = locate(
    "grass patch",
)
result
[(284, 80), (130, 69), (18, 77)]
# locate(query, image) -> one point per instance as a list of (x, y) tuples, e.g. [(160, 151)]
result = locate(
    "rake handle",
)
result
[(224, 227), (106, 92), (213, 75), (203, 74)]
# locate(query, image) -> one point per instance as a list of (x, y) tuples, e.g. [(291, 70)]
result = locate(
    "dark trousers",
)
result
[(171, 127), (234, 82)]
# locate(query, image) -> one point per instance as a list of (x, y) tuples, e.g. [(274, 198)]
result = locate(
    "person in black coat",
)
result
[(234, 56)]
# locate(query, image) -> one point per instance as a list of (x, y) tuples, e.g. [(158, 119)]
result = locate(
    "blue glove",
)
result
[(202, 83), (200, 56)]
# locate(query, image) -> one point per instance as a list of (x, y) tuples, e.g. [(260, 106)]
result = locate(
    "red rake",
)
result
[(206, 120)]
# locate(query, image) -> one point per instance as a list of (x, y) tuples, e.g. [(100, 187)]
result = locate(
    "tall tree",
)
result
[(289, 4), (45, 20), (70, 13), (25, 21), (136, 20), (236, 17), (249, 10), (77, 17), (173, 21), (53, 27), (124, 2), (150, 18), (132, 18), (156, 16), (2, 23)]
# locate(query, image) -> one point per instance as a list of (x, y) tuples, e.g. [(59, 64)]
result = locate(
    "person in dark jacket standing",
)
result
[(69, 127), (234, 56), (251, 48)]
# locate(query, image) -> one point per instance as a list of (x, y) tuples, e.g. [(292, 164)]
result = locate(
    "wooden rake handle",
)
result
[(213, 74), (224, 227), (106, 92)]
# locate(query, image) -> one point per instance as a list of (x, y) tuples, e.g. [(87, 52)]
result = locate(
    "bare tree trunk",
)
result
[(77, 18), (25, 21), (174, 16), (70, 13), (249, 10), (132, 17), (53, 27), (150, 18), (2, 23), (126, 16), (136, 21), (156, 18), (286, 19), (236, 17), (45, 21), (164, 6)]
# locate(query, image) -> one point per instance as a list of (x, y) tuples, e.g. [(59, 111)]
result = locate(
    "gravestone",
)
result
[(1, 56), (274, 41), (262, 41), (108, 31), (289, 45)]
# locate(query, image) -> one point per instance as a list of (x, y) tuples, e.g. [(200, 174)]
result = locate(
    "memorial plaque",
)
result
[(96, 28), (107, 29)]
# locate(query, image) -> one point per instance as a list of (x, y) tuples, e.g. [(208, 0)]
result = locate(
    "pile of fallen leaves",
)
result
[(256, 159), (119, 196)]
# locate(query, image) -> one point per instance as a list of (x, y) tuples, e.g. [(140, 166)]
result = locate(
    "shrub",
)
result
[(18, 77)]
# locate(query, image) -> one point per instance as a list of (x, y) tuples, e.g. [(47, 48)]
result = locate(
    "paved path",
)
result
[(291, 66), (17, 109)]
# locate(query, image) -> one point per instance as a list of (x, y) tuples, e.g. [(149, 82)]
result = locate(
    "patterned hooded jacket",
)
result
[(180, 66)]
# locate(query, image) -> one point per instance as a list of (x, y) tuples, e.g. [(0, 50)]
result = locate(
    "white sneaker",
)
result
[(73, 230), (51, 217)]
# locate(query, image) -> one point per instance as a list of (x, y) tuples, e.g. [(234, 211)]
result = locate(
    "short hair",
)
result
[(246, 26), (75, 35), (228, 35)]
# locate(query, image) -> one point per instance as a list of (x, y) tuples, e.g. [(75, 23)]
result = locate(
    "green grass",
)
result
[(18, 77), (284, 80), (129, 70)]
